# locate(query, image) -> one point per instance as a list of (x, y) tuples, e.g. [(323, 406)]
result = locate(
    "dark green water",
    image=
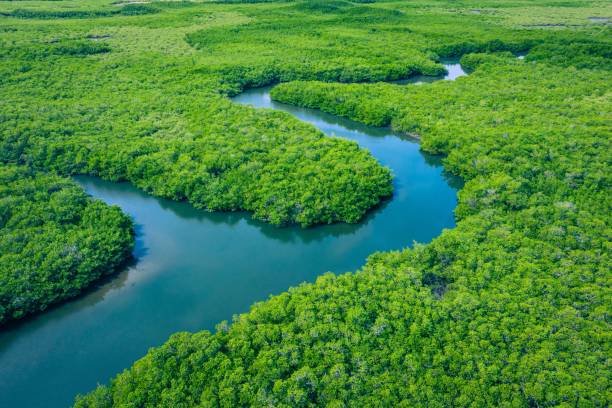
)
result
[(195, 269)]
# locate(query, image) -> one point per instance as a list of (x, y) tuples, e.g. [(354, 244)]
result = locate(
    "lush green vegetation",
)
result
[(127, 10), (136, 92), (127, 98), (522, 283), (55, 241), (510, 308)]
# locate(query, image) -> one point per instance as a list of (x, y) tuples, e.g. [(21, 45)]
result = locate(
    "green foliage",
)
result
[(127, 10), (50, 14), (79, 48), (55, 241), (136, 10), (246, 1), (590, 55), (492, 46), (469, 62), (182, 139), (510, 308), (69, 48), (532, 142), (322, 6), (350, 101), (286, 174), (382, 337), (305, 42)]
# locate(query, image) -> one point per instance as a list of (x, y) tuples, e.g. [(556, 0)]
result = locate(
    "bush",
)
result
[(56, 241)]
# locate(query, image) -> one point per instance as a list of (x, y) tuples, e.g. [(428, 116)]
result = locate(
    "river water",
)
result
[(194, 269)]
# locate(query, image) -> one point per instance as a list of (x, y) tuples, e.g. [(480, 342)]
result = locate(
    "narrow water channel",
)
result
[(195, 269), (453, 71)]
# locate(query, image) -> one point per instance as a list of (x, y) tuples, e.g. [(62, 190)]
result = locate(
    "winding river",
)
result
[(194, 269)]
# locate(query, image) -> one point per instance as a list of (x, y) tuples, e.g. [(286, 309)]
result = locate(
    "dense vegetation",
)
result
[(94, 88), (127, 10), (99, 97), (55, 240), (510, 308)]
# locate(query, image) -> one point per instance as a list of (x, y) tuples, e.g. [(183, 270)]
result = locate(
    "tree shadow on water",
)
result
[(90, 296), (109, 191)]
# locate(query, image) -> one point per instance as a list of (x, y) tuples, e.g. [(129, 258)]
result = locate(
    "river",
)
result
[(194, 269)]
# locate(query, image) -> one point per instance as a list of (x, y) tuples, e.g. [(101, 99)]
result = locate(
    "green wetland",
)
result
[(125, 128), (187, 275)]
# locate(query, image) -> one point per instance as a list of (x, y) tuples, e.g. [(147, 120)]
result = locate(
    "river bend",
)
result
[(194, 269)]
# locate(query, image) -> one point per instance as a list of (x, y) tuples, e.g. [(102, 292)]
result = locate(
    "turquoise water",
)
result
[(194, 269)]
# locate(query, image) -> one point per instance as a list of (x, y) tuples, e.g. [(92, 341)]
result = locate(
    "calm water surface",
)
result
[(195, 269), (453, 71)]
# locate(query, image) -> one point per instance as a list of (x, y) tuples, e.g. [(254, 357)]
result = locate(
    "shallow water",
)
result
[(453, 71), (195, 268)]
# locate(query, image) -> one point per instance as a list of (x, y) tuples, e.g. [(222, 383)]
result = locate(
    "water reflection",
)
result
[(453, 71)]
